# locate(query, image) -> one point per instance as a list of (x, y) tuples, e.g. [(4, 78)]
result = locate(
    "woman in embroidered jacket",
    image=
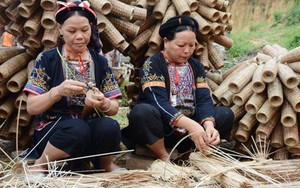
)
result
[(175, 95), (58, 93)]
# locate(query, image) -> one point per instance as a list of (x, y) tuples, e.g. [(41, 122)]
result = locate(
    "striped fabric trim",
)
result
[(202, 85), (33, 89), (155, 83)]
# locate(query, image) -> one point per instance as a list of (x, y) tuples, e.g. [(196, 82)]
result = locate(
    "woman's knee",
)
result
[(143, 113)]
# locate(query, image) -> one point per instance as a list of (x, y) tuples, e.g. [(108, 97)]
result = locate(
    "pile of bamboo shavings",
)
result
[(264, 94)]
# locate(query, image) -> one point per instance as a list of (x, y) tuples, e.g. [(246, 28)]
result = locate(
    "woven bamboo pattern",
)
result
[(291, 56), (209, 3), (295, 66), (261, 57), (209, 13), (216, 29), (22, 98), (32, 25), (288, 115), (7, 107), (193, 4), (258, 85), (291, 135), (226, 98), (269, 71), (12, 11), (50, 37), (104, 7), (247, 122), (48, 5), (112, 34), (121, 9), (287, 76), (48, 20), (204, 57), (281, 154), (242, 135), (27, 11), (242, 97), (293, 96), (217, 78), (198, 50), (24, 118), (9, 52), (139, 13), (142, 38), (266, 112), (204, 26), (275, 93), (17, 28), (182, 7), (128, 28), (3, 90), (212, 85), (233, 68), (35, 40), (160, 9), (141, 3), (155, 40), (152, 2), (255, 102), (264, 130), (224, 41), (171, 11), (16, 82), (277, 136), (215, 57), (269, 50)]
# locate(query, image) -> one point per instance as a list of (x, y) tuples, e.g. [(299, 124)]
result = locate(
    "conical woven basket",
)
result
[(293, 96), (275, 93), (258, 85), (48, 19), (217, 78), (291, 135), (111, 34), (211, 84), (295, 66), (242, 97), (287, 76), (209, 3), (160, 9), (266, 112), (33, 24), (204, 57), (294, 149), (224, 41), (269, 71), (22, 98), (142, 39), (12, 11), (7, 107), (288, 115), (146, 24), (261, 57), (223, 18), (242, 135), (264, 130), (50, 37), (48, 5), (141, 3), (280, 49), (35, 40), (182, 7), (125, 27), (255, 102), (9, 52), (155, 40), (215, 56), (248, 122), (236, 66), (281, 154), (17, 27), (277, 136), (171, 12), (3, 90), (139, 13), (269, 50), (27, 11), (124, 48), (226, 98), (238, 111), (204, 26), (152, 2), (193, 4), (198, 50), (16, 83), (103, 6), (216, 28), (101, 22), (209, 13), (291, 56), (121, 9), (24, 118)]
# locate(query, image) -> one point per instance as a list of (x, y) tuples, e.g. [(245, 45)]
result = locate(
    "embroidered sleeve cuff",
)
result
[(208, 119)]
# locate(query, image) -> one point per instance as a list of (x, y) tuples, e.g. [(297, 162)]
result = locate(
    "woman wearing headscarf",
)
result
[(70, 89), (174, 97)]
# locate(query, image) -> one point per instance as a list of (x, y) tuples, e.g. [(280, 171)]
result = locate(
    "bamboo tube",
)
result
[(160, 9), (238, 111), (121, 9), (101, 22), (277, 136), (212, 85), (255, 102), (275, 93), (33, 25), (293, 96), (48, 19), (269, 50), (247, 122), (139, 13), (294, 149), (291, 56), (263, 57), (7, 107), (17, 27), (152, 2), (233, 68), (209, 38), (16, 83), (50, 37), (258, 84), (124, 48), (243, 96), (3, 90), (24, 118), (280, 49), (27, 11), (204, 57), (171, 12), (146, 24), (112, 34), (198, 50), (204, 26), (242, 135), (242, 78), (264, 130), (128, 28), (209, 3), (12, 11), (48, 5), (216, 29), (217, 78), (155, 40), (291, 135), (141, 3), (22, 98), (287, 76), (281, 154), (266, 112), (288, 115), (35, 40), (269, 71), (209, 13), (295, 66), (223, 18), (13, 65), (215, 56), (182, 7), (224, 41), (193, 4), (104, 6), (9, 52), (142, 39), (226, 98)]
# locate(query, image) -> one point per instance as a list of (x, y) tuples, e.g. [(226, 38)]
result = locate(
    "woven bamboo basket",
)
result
[(242, 135), (226, 98), (258, 85), (287, 76), (291, 56), (48, 5), (146, 24), (27, 11), (16, 82), (124, 48), (24, 118), (33, 24), (209, 13), (291, 135), (266, 112), (7, 107), (238, 111), (248, 122), (3, 90), (204, 57), (212, 85), (242, 78), (261, 57), (223, 18), (288, 115), (264, 130), (294, 149), (233, 68), (141, 3), (155, 40), (269, 50), (242, 97), (215, 57), (17, 27), (193, 4), (35, 40), (121, 9), (152, 2), (281, 154), (139, 13), (275, 93), (128, 28), (198, 50), (209, 3), (50, 37), (101, 22), (209, 39), (255, 102), (269, 71), (112, 34), (13, 65), (12, 11), (204, 26), (224, 41), (21, 101), (182, 7), (160, 9), (280, 49), (104, 6), (10, 52), (142, 39), (277, 136), (216, 29), (217, 78), (295, 66), (48, 19), (293, 96), (171, 12)]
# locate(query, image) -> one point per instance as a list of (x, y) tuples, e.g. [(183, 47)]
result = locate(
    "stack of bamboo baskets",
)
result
[(130, 26), (264, 94)]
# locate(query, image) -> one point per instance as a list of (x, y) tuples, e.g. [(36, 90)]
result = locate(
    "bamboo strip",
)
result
[(291, 135), (277, 136), (293, 96), (288, 115), (48, 5), (160, 9), (204, 26), (295, 66), (291, 56), (121, 9), (255, 102), (269, 50), (264, 130), (275, 93), (48, 19), (258, 85), (215, 56), (243, 96), (269, 71), (16, 82), (266, 112), (155, 40), (247, 122), (208, 12), (238, 111), (182, 7), (287, 76), (104, 6)]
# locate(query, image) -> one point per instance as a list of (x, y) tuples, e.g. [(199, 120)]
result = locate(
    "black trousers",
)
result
[(146, 127)]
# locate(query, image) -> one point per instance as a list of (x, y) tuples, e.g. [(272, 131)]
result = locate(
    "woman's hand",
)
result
[(213, 135), (95, 98), (199, 137), (71, 87)]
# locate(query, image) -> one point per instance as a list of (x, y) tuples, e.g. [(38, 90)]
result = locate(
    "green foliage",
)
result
[(124, 100), (294, 15), (295, 42), (241, 45), (257, 27), (277, 16)]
